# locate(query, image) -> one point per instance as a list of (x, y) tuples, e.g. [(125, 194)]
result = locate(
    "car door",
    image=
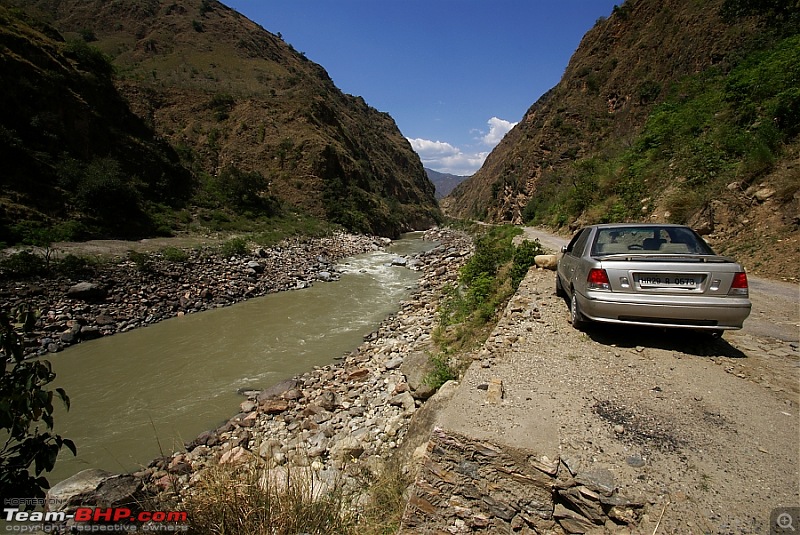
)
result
[(568, 264)]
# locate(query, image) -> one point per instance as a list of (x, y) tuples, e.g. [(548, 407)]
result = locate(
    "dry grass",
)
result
[(250, 498)]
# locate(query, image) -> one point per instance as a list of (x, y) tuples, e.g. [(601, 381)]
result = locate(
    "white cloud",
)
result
[(498, 128), (427, 148), (446, 158)]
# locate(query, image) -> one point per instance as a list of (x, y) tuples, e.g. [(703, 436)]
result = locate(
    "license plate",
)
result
[(667, 281)]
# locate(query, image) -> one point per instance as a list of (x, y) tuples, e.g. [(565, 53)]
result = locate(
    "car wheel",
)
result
[(559, 289), (575, 315)]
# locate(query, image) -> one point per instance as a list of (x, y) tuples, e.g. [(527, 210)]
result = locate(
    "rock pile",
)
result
[(126, 295)]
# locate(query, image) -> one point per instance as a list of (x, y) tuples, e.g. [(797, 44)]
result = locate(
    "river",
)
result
[(137, 394)]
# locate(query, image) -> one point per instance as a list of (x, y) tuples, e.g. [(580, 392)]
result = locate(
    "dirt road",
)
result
[(703, 431)]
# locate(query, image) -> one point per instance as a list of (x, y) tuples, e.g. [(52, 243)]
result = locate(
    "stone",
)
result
[(90, 333), (599, 480), (394, 363), (546, 261), (234, 455), (274, 406), (258, 267), (327, 400), (358, 374), (277, 390), (73, 491), (570, 521), (405, 400), (346, 449), (764, 194), (95, 487), (586, 503), (86, 291), (494, 392), (416, 367), (635, 460)]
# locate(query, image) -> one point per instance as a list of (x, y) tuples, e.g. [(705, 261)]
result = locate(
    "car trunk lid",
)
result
[(703, 275)]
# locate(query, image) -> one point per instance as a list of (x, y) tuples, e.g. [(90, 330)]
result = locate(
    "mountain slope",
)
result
[(62, 117), (240, 106), (444, 182), (668, 110)]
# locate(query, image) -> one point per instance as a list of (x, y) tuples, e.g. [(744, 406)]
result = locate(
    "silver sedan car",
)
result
[(651, 274)]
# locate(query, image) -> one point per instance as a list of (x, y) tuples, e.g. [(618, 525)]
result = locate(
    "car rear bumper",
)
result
[(713, 313)]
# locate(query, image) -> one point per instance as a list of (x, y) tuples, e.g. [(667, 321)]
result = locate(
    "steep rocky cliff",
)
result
[(668, 110), (252, 121)]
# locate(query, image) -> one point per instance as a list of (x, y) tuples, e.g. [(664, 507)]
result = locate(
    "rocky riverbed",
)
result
[(335, 419), (126, 294)]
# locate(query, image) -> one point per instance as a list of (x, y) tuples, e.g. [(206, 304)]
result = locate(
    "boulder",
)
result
[(546, 261), (416, 367), (87, 291), (258, 267), (276, 390), (94, 487)]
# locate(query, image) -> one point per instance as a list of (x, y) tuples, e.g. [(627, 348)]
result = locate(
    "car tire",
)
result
[(559, 289), (575, 315)]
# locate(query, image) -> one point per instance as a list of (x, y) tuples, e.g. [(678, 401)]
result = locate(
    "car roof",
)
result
[(637, 225)]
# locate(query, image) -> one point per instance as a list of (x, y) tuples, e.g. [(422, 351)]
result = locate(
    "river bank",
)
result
[(123, 295), (334, 420)]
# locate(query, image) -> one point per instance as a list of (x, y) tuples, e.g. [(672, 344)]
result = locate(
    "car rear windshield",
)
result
[(648, 240)]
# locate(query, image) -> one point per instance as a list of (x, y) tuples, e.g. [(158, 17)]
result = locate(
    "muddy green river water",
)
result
[(150, 390)]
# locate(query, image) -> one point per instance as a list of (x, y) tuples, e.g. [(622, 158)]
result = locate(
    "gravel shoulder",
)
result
[(702, 432)]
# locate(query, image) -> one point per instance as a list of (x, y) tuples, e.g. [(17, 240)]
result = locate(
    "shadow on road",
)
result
[(682, 340)]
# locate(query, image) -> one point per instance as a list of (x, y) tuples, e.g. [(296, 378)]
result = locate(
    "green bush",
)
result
[(143, 261), (523, 259), (173, 254), (441, 373), (23, 265), (74, 266), (234, 247)]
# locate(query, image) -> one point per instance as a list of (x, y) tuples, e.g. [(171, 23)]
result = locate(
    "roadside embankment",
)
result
[(611, 430)]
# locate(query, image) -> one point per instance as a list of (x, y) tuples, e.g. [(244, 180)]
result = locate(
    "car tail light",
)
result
[(598, 280), (739, 284)]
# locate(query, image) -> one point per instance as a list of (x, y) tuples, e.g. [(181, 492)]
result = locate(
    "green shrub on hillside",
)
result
[(713, 128), (484, 281)]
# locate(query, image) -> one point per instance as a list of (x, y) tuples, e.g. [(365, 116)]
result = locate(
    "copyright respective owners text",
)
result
[(784, 520), (42, 516)]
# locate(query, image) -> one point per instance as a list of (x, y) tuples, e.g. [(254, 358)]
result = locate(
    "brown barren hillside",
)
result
[(232, 99), (656, 117)]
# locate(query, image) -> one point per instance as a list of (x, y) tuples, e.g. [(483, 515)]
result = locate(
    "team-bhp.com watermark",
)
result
[(90, 520)]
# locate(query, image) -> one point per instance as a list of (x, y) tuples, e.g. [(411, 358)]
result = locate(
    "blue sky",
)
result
[(455, 75)]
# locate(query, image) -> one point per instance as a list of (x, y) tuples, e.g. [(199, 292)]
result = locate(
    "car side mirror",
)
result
[(563, 248)]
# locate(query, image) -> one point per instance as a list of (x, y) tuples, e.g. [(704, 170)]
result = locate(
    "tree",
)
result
[(25, 404)]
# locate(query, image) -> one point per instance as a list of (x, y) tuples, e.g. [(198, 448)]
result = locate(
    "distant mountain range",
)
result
[(444, 182)]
